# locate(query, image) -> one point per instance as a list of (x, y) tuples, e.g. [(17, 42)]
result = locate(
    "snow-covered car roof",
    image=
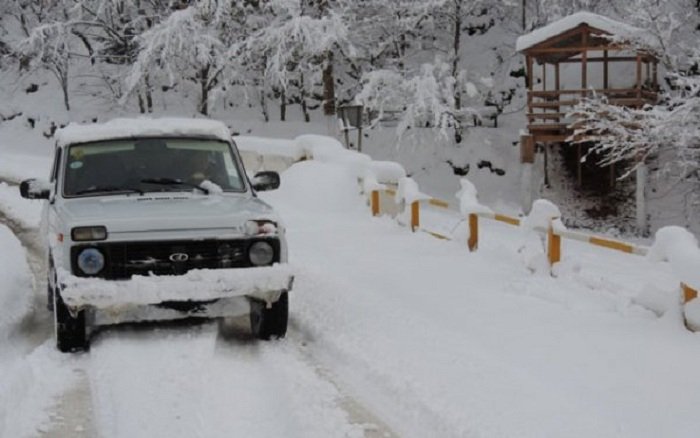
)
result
[(601, 22), (142, 127)]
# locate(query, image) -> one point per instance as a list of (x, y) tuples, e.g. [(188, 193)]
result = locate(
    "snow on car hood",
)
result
[(165, 212)]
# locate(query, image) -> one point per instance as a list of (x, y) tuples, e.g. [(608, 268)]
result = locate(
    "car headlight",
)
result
[(261, 253), (91, 261), (81, 234), (260, 228)]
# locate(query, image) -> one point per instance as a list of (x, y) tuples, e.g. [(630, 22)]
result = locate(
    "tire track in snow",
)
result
[(72, 413), (182, 380)]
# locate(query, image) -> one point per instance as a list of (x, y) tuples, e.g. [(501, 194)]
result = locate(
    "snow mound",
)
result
[(692, 314), (270, 146), (468, 200), (409, 192), (15, 282), (314, 187), (679, 247), (387, 172), (542, 213)]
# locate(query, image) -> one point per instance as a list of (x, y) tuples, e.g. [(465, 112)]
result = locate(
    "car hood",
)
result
[(166, 212)]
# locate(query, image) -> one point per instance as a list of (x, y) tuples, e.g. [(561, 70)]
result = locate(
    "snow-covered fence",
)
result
[(673, 244)]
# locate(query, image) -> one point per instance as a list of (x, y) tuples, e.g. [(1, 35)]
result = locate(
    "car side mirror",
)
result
[(266, 180), (34, 189)]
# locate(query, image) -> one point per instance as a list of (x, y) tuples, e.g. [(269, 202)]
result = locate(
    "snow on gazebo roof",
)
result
[(572, 21)]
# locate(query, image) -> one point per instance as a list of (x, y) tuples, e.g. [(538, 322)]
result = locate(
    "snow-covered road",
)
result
[(391, 333)]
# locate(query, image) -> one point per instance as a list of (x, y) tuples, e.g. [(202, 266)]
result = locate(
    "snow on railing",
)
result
[(673, 244)]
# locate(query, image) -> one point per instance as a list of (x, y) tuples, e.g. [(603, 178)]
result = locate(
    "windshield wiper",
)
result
[(173, 182), (106, 189)]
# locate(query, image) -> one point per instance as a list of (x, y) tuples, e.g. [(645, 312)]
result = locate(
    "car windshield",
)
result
[(150, 165)]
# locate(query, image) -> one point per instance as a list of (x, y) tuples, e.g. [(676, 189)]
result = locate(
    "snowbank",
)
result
[(24, 212), (15, 168), (15, 282), (270, 146)]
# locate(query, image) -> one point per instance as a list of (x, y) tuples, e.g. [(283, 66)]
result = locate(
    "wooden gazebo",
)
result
[(575, 57)]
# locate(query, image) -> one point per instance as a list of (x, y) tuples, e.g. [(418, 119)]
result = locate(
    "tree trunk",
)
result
[(149, 95), (204, 86), (263, 103), (457, 36), (302, 93), (328, 86), (64, 88), (283, 106)]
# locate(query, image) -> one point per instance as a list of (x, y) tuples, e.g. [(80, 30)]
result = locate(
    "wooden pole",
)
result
[(584, 62), (557, 85), (375, 203), (639, 75), (605, 69), (473, 232), (530, 83), (415, 216), (553, 245)]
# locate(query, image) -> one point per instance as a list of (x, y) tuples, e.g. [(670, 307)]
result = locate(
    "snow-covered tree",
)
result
[(426, 98), (191, 45), (49, 47), (296, 47)]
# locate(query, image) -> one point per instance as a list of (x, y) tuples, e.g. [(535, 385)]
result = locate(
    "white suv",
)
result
[(155, 219)]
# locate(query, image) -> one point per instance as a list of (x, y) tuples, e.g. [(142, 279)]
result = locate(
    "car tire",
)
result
[(269, 323), (71, 333), (49, 288)]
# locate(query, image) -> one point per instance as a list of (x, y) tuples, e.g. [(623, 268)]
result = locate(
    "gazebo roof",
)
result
[(570, 22)]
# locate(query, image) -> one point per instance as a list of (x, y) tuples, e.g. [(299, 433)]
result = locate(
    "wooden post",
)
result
[(415, 216), (689, 293), (656, 75), (553, 245), (527, 149), (530, 83), (544, 76), (639, 75), (557, 86), (605, 70), (473, 241), (584, 62), (375, 202)]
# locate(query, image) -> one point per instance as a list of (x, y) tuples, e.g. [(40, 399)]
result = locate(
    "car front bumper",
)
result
[(198, 293)]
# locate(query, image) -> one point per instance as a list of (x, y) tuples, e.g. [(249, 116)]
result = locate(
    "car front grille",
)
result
[(124, 259)]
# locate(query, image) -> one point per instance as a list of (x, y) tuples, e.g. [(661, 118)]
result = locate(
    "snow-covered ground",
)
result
[(391, 333)]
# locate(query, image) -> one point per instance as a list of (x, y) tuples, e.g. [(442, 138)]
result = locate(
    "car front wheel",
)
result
[(267, 323), (71, 333)]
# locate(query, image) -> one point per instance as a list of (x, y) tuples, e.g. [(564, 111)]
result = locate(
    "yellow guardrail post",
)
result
[(689, 293), (553, 245), (375, 202), (473, 232), (415, 216)]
